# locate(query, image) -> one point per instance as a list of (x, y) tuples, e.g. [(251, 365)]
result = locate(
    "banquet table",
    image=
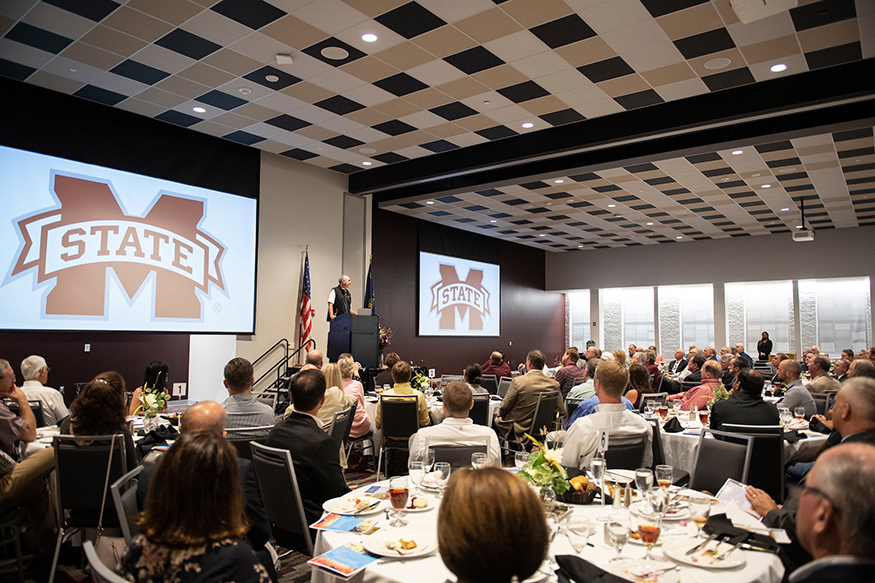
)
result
[(760, 567)]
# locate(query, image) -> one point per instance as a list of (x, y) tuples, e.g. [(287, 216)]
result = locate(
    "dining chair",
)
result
[(9, 522), (457, 455), (821, 402), (719, 460), (490, 383), (99, 571), (282, 498), (36, 408), (660, 398), (340, 426), (480, 411), (545, 412), (626, 454), (241, 437), (679, 477), (448, 378), (400, 421), (766, 470), (124, 496), (85, 466)]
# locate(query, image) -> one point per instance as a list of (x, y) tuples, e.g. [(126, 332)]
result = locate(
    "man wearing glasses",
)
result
[(36, 374)]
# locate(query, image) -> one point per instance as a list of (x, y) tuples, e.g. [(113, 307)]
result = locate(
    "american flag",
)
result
[(306, 310)]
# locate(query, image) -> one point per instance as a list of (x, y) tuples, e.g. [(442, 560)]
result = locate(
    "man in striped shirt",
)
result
[(242, 407)]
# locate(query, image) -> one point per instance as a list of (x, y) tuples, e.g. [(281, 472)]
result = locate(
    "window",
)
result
[(627, 318), (686, 316), (579, 325), (754, 308), (835, 314)]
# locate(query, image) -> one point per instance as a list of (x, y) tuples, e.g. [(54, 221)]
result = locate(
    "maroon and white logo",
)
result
[(451, 294)]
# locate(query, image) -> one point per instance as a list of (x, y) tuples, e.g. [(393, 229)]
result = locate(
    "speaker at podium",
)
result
[(359, 335)]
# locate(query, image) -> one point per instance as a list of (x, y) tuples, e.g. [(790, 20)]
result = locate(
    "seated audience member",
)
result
[(725, 350), (517, 409), (586, 389), (100, 410), (619, 356), (820, 381), (314, 453), (606, 356), (632, 350), (745, 405), (692, 375), (491, 527), (738, 364), (847, 354), (652, 369), (862, 368), (361, 423), (776, 362), (335, 399), (155, 377), (471, 375), (385, 376), (315, 358), (726, 369), (457, 427), (591, 352), (187, 535), (660, 359), (25, 484), (710, 353), (679, 363), (836, 516), (242, 407), (570, 374), (36, 374), (401, 374), (796, 394), (740, 348), (209, 417), (840, 370), (638, 358), (581, 440), (639, 385), (699, 396), (496, 365)]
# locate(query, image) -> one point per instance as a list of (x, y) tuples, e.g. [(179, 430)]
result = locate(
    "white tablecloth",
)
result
[(760, 567)]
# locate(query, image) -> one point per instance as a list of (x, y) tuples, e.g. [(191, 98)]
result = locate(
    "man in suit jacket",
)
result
[(517, 409), (840, 370), (209, 416), (314, 453), (679, 363), (745, 406)]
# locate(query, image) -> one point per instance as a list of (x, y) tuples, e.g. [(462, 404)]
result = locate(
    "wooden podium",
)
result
[(359, 335)]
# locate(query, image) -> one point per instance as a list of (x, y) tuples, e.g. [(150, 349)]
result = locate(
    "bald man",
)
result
[(209, 416)]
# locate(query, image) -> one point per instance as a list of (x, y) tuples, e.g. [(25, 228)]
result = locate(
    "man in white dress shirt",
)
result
[(36, 374), (581, 441), (456, 428)]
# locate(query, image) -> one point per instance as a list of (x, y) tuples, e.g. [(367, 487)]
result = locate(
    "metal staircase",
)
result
[(272, 387)]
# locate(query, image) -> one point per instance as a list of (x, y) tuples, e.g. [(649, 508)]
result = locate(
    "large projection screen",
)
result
[(458, 297), (85, 247)]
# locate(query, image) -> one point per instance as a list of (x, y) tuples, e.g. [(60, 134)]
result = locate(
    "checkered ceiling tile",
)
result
[(746, 191), (442, 74)]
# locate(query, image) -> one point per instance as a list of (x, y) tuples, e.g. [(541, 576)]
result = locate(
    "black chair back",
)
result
[(400, 421), (36, 408), (626, 456), (545, 412), (458, 456), (340, 426), (503, 386), (124, 496), (241, 437), (679, 476), (490, 383), (821, 402), (282, 499), (719, 460), (766, 470), (480, 411)]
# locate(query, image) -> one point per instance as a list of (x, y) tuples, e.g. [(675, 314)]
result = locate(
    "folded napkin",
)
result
[(817, 425), (720, 525), (673, 426), (793, 436), (158, 436), (572, 568)]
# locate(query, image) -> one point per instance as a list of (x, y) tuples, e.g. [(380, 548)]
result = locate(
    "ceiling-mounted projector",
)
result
[(803, 235)]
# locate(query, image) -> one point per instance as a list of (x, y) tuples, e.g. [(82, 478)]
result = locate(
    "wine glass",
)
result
[(478, 460), (664, 476), (398, 494), (786, 416), (648, 530), (520, 459), (800, 413), (644, 480), (416, 472), (648, 408), (578, 531), (442, 471), (428, 460), (618, 531), (700, 508), (598, 467)]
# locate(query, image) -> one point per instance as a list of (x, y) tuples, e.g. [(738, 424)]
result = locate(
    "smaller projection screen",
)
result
[(458, 297), (84, 247)]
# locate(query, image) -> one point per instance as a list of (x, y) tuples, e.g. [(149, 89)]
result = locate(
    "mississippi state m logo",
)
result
[(77, 243), (451, 293)]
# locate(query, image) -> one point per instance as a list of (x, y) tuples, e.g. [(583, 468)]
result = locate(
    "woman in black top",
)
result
[(764, 347)]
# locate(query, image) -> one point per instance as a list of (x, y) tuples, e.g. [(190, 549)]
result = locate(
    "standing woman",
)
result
[(194, 523), (764, 347)]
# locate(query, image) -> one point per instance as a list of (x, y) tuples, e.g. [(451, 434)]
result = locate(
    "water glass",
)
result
[(786, 416), (416, 473), (442, 471), (578, 530), (618, 531), (598, 467), (520, 459), (644, 480), (478, 460), (428, 460)]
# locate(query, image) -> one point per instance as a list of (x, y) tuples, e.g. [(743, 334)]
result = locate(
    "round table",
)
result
[(760, 568)]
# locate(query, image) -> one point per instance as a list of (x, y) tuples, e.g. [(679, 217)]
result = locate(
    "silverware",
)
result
[(368, 507), (701, 545), (727, 552)]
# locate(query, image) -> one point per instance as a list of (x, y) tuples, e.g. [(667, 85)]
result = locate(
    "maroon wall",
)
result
[(530, 317), (123, 352)]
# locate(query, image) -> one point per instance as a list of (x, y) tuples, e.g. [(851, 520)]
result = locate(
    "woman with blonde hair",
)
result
[(491, 527), (620, 356), (361, 424)]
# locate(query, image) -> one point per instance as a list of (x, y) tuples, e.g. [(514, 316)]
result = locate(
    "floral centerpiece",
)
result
[(419, 382), (545, 471), (720, 393), (154, 402), (385, 337)]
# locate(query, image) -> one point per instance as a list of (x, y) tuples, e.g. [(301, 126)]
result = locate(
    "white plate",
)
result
[(631, 570), (376, 543), (346, 505), (643, 509), (429, 499), (704, 559)]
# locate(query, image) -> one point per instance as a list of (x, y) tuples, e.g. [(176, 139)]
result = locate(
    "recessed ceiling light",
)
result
[(429, 202), (199, 109), (767, 185), (528, 124), (792, 169), (610, 206), (271, 78), (718, 63), (755, 175), (648, 224), (547, 203), (487, 102), (737, 152), (283, 59), (334, 53), (366, 163), (724, 180), (580, 245), (798, 226), (73, 71), (779, 67), (678, 237), (560, 181), (367, 150), (493, 221), (785, 209), (245, 90), (369, 37)]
